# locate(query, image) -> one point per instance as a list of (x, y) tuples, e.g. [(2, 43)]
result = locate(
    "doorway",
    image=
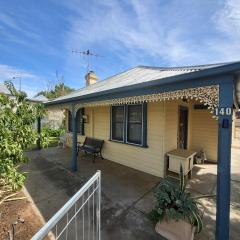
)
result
[(183, 128)]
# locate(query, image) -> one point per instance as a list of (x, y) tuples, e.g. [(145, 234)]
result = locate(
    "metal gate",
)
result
[(79, 218)]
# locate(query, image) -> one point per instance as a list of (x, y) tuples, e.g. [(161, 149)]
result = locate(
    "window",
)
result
[(69, 121), (118, 123), (129, 124), (79, 121), (134, 124)]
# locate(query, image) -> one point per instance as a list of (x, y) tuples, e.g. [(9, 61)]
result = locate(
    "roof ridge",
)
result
[(187, 66)]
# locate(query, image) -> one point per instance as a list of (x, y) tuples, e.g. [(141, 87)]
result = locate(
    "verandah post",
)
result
[(224, 160), (39, 133), (74, 140)]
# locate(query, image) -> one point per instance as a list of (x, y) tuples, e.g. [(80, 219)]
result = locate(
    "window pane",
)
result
[(117, 123), (118, 114), (117, 131), (135, 113), (135, 133), (134, 127)]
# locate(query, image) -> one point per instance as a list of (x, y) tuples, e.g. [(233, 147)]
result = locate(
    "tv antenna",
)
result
[(88, 54)]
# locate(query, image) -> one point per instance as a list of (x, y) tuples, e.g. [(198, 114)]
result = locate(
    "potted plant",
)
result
[(176, 214)]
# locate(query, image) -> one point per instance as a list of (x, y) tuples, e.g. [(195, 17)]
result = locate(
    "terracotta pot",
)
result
[(175, 230)]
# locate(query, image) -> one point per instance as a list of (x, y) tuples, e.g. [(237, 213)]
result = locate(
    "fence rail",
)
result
[(79, 218)]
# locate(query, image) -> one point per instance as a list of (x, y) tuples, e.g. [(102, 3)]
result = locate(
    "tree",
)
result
[(59, 90), (17, 117)]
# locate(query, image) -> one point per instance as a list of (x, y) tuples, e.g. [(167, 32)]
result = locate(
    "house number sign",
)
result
[(223, 111)]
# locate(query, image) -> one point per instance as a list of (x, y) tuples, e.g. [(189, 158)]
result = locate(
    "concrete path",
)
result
[(204, 182), (126, 193)]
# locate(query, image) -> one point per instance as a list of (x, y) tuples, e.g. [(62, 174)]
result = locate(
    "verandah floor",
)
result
[(127, 193)]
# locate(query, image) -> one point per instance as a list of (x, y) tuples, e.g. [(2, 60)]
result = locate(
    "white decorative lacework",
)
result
[(208, 95)]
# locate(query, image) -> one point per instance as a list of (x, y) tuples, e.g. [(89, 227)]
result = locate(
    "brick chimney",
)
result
[(91, 78)]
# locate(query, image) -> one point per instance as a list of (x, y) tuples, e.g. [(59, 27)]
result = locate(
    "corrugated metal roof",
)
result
[(3, 89), (133, 76), (39, 98)]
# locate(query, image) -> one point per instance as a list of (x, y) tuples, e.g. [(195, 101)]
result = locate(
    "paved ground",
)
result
[(204, 182), (127, 193)]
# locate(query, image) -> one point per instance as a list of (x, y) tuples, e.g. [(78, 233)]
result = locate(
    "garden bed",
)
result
[(30, 221)]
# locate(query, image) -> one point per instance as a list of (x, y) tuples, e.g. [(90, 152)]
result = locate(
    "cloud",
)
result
[(227, 24), (31, 83), (126, 33), (15, 28), (227, 20), (18, 25), (8, 72), (110, 24), (154, 32), (134, 31)]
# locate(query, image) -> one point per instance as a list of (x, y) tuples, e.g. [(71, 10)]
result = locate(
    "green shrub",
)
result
[(53, 132), (17, 117)]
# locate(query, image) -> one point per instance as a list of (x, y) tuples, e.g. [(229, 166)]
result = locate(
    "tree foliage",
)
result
[(58, 91), (17, 117)]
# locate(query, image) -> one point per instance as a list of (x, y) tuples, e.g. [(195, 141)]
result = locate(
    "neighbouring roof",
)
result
[(3, 89), (39, 98), (138, 75)]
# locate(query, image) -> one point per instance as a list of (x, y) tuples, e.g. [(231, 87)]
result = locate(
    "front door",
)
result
[(183, 127)]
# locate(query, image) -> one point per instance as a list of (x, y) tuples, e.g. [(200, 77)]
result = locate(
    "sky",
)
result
[(37, 37)]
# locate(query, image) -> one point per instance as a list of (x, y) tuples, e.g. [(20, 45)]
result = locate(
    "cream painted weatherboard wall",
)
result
[(162, 132), (235, 132), (150, 160), (205, 133), (202, 129)]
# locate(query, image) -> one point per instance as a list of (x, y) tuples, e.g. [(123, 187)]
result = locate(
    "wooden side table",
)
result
[(181, 156)]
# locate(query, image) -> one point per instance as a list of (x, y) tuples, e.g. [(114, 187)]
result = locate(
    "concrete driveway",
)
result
[(126, 193)]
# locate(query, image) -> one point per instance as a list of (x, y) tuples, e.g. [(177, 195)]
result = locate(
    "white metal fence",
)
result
[(79, 218)]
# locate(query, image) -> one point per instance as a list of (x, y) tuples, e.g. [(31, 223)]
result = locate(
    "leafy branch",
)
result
[(17, 117)]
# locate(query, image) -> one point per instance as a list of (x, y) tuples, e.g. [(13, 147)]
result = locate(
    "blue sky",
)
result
[(37, 37)]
